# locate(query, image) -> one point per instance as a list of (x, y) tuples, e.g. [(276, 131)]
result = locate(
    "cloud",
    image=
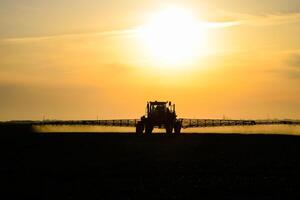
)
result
[(294, 74), (232, 19), (268, 19), (294, 61), (291, 74), (113, 33), (215, 25), (290, 67)]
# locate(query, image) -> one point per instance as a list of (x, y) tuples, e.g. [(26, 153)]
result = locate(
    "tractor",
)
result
[(160, 115)]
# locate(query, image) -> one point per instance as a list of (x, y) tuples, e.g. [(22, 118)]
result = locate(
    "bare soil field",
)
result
[(129, 166)]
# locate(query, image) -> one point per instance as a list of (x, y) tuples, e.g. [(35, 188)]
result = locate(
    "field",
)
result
[(128, 166)]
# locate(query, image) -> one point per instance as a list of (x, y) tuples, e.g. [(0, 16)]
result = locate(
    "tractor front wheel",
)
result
[(177, 127), (148, 129), (139, 128)]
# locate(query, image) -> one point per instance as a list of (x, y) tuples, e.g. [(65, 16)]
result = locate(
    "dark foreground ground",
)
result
[(127, 166)]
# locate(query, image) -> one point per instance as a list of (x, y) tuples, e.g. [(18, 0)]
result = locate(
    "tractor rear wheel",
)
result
[(169, 129)]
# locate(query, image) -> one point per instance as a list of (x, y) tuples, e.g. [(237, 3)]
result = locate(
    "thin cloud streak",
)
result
[(114, 33), (217, 25), (294, 61), (269, 19), (239, 19)]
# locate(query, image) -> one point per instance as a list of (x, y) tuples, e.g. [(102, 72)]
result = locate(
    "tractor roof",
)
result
[(158, 102)]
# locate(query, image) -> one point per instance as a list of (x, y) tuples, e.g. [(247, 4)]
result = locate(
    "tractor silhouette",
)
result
[(160, 115)]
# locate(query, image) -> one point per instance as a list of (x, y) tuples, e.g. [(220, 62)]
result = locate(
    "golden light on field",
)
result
[(172, 37)]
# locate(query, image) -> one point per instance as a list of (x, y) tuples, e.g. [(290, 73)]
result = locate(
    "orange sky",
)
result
[(77, 60)]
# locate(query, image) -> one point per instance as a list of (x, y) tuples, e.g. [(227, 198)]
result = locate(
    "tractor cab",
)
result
[(160, 110), (160, 114)]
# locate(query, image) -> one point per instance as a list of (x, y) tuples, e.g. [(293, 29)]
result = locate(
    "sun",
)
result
[(172, 36)]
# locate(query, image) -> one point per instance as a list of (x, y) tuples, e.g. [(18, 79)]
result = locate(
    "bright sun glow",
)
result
[(173, 36)]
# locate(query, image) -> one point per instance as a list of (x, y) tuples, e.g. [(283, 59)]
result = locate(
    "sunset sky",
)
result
[(78, 59)]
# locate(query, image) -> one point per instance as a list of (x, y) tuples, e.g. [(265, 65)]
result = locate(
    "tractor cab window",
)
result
[(158, 108)]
